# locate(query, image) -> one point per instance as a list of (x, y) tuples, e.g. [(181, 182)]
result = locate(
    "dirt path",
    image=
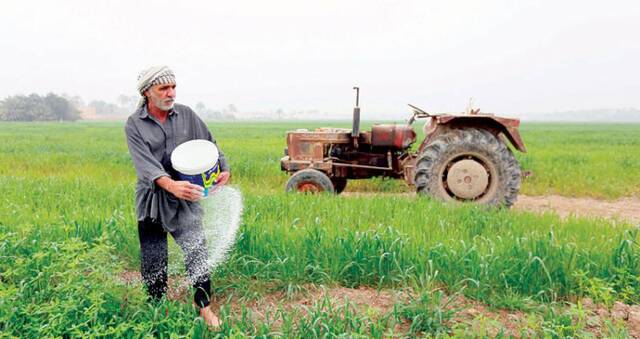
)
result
[(625, 209), (469, 314)]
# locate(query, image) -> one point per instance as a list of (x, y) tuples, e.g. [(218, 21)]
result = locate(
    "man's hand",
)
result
[(187, 191), (181, 189), (223, 178)]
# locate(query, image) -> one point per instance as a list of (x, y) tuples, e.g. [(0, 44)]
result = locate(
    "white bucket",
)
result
[(196, 161)]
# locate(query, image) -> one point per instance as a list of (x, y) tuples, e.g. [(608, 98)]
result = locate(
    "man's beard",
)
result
[(163, 104)]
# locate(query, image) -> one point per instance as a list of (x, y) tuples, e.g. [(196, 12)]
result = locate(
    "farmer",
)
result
[(163, 204)]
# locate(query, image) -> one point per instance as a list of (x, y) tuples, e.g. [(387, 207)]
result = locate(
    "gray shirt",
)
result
[(150, 145)]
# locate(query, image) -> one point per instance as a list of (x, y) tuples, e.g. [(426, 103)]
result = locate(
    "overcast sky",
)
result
[(511, 56)]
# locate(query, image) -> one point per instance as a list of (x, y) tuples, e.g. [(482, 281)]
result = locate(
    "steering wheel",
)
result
[(417, 110)]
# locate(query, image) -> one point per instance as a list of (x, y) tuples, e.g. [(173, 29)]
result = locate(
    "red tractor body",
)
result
[(463, 156)]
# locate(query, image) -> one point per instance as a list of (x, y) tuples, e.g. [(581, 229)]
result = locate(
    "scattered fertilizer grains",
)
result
[(222, 211), (317, 266), (222, 218)]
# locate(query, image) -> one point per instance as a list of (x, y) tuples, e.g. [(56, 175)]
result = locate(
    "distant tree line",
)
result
[(33, 107), (227, 113), (53, 107), (124, 106)]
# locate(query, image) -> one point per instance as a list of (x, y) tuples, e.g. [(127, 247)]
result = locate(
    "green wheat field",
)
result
[(68, 234)]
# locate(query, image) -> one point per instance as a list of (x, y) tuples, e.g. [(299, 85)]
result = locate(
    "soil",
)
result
[(472, 315), (625, 209), (179, 288), (622, 210)]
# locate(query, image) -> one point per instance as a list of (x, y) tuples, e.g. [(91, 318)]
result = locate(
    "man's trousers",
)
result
[(154, 258)]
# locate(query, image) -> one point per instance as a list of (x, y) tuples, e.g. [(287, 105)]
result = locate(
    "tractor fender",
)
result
[(494, 124)]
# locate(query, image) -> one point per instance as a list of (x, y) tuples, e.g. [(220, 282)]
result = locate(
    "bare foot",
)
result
[(210, 318)]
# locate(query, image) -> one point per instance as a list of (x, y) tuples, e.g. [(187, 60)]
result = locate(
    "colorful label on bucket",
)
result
[(206, 179), (209, 179)]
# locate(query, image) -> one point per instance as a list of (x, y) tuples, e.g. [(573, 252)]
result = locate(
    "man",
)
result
[(165, 205)]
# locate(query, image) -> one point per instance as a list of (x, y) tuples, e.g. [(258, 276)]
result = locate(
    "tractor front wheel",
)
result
[(310, 181), (469, 165)]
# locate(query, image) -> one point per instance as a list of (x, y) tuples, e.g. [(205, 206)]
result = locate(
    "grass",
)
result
[(67, 228), (582, 160)]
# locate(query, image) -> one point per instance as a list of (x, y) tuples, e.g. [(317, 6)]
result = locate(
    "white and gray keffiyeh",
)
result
[(155, 75)]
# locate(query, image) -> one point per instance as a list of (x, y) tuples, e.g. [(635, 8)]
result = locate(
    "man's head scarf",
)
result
[(155, 75)]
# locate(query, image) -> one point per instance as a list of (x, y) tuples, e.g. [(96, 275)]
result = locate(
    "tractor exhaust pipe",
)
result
[(355, 131)]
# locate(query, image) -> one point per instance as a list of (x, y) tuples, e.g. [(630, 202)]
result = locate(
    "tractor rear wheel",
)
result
[(309, 181), (339, 184), (469, 165)]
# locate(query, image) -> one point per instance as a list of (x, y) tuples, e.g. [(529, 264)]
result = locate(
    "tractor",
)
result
[(463, 157)]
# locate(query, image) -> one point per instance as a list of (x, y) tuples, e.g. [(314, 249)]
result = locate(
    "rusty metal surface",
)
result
[(383, 151), (408, 165), (320, 136), (359, 164), (309, 146), (289, 165), (397, 136), (495, 124)]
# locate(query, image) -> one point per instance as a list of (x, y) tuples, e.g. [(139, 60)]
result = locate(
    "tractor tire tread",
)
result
[(476, 140)]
